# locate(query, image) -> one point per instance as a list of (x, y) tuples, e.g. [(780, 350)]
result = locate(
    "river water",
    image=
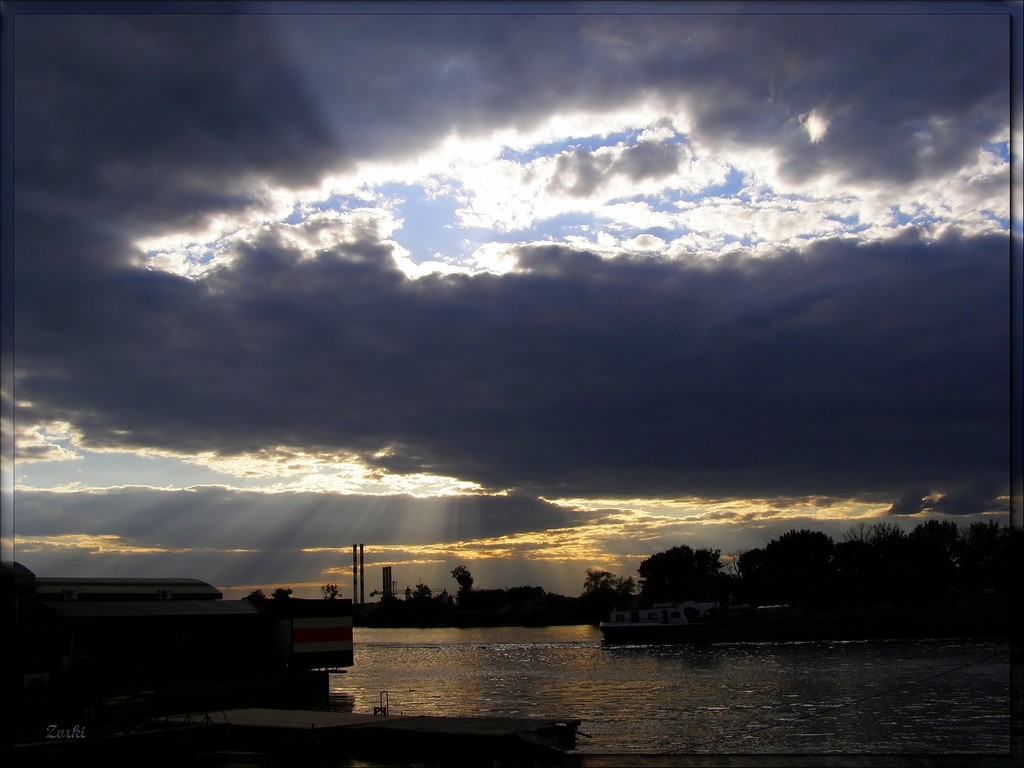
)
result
[(891, 697)]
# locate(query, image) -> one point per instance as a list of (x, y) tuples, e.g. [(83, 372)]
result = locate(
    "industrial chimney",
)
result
[(355, 576), (362, 577)]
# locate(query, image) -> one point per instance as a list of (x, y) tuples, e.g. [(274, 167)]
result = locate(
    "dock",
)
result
[(430, 738), (263, 737), (250, 737)]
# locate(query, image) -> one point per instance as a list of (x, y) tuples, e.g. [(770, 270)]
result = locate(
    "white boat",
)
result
[(686, 612), (691, 621)]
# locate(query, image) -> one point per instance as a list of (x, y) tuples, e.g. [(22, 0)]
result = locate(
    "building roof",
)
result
[(80, 609), (60, 588)]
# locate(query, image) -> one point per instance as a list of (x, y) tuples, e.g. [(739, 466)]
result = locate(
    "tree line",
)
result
[(937, 562)]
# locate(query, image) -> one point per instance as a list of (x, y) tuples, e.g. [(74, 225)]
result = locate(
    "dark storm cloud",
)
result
[(910, 503), (969, 498), (162, 119), (157, 120), (847, 368), (907, 96)]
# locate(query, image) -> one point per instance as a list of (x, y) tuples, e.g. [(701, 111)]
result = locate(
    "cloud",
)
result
[(45, 442), (316, 92), (840, 368), (894, 113), (974, 498), (253, 538), (910, 503), (580, 173), (870, 366), (970, 497), (232, 519), (183, 111)]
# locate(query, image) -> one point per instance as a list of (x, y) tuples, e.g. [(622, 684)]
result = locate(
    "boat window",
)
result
[(674, 615), (620, 617), (652, 616)]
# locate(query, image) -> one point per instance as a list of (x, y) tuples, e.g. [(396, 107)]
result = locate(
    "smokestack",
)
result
[(362, 577), (355, 575)]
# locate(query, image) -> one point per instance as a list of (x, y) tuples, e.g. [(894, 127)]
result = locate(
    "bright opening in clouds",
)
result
[(815, 124), (532, 291)]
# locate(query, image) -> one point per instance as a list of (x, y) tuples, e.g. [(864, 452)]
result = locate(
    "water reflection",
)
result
[(864, 697)]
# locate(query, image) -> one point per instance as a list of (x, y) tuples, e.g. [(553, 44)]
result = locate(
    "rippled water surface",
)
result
[(838, 697)]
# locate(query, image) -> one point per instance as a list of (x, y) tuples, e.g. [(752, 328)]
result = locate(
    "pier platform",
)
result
[(382, 736), (269, 738)]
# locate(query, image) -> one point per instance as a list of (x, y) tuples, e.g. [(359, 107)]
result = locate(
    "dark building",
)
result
[(105, 654)]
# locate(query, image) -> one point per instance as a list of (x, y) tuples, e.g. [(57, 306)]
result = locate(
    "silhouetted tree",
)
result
[(873, 564), (752, 584), (281, 593), (256, 594), (604, 590), (464, 579), (892, 580), (856, 567), (330, 591), (799, 564), (861, 532), (932, 550), (422, 592), (680, 573), (868, 564), (986, 557), (731, 566), (750, 563), (600, 582)]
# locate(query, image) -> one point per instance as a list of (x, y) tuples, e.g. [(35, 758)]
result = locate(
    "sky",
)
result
[(530, 288)]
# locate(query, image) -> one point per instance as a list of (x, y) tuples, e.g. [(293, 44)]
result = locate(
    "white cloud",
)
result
[(496, 258), (52, 441), (630, 180), (297, 469), (644, 243)]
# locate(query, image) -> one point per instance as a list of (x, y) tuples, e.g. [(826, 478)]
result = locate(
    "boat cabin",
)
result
[(667, 613)]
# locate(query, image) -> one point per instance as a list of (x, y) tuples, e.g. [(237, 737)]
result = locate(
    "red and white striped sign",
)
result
[(316, 635)]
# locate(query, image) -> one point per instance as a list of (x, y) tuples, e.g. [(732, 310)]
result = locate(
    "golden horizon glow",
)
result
[(106, 544)]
